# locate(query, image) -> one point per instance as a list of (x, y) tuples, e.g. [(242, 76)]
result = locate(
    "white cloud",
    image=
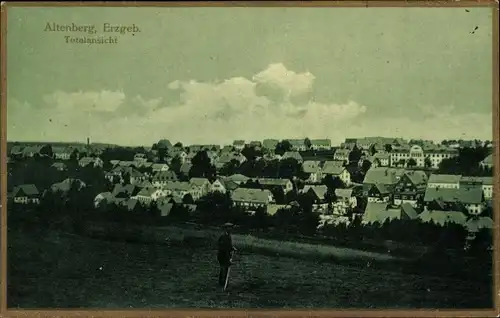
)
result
[(223, 111), (291, 83), (103, 101)]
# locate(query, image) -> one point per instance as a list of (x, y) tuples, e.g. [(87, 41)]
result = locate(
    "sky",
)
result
[(213, 75)]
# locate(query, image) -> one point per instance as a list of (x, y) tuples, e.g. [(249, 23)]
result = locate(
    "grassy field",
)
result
[(49, 270)]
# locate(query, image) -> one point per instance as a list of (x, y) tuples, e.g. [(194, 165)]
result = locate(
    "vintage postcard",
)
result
[(246, 157)]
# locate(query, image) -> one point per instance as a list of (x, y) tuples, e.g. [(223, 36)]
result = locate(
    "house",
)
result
[(377, 192), (237, 178), (345, 201), (213, 156), (134, 175), (59, 166), (148, 195), (116, 172), (486, 183), (342, 155), (131, 204), (383, 175), (475, 224), (140, 158), (125, 191), (239, 144), (251, 198), (26, 194), (383, 158), (381, 213), (321, 144), (374, 163), (103, 197), (318, 192), (181, 189), (270, 183), (91, 161), (186, 168), (62, 153), (470, 199), (255, 144), (297, 144), (144, 184), (223, 185), (487, 186), (444, 181), (164, 207), (68, 184), (376, 212), (332, 168), (126, 164), (227, 157), (410, 187), (202, 184), (441, 218), (349, 143), (31, 151), (218, 186), (487, 162), (227, 149), (270, 144), (313, 170), (181, 154), (293, 155), (16, 151), (421, 155), (162, 177)]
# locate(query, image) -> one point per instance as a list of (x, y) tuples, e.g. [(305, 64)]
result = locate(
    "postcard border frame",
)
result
[(251, 313)]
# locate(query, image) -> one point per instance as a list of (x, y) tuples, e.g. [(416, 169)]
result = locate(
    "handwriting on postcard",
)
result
[(105, 33)]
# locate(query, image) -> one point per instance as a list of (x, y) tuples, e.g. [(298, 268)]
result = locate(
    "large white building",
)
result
[(415, 152)]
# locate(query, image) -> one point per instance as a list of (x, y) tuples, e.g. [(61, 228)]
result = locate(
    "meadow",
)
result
[(49, 269)]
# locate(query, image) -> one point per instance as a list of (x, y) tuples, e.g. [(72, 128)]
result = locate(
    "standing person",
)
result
[(224, 255)]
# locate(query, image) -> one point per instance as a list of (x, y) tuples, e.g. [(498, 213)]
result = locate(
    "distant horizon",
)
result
[(436, 141)]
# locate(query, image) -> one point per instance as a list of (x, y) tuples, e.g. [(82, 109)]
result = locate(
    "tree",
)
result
[(202, 166), (178, 145), (330, 195), (333, 182), (289, 168), (260, 219), (388, 147), (214, 208), (252, 184), (188, 199), (427, 162), (176, 164), (366, 166), (278, 194), (126, 178), (282, 147), (355, 154), (411, 163), (307, 143), (230, 168), (466, 163), (46, 150), (251, 153), (162, 154)]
